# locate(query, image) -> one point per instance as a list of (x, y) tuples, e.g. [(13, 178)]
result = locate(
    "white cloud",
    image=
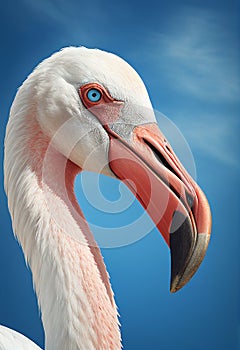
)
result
[(198, 55), (50, 9), (73, 18)]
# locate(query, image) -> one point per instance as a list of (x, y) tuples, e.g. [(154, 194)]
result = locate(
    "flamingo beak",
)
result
[(175, 203)]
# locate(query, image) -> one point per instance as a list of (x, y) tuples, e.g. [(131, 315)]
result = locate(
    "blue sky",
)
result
[(188, 55)]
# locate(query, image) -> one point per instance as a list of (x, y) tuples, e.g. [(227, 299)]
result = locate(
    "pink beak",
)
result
[(173, 200)]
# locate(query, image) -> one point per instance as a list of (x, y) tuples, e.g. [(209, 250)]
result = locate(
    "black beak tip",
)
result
[(187, 251)]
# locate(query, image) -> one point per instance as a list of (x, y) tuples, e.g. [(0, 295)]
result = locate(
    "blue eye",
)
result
[(94, 95)]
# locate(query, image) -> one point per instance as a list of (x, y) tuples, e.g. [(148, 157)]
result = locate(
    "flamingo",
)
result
[(87, 109)]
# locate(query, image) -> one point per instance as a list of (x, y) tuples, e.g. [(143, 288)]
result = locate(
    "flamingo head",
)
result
[(97, 111)]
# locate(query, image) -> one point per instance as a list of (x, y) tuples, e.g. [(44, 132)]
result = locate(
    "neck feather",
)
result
[(69, 275)]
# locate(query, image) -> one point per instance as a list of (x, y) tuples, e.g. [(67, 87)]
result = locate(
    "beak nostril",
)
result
[(166, 145)]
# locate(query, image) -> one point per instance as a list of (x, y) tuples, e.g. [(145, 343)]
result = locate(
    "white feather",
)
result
[(12, 340)]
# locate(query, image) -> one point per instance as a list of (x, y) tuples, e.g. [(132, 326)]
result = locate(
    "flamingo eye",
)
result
[(94, 95)]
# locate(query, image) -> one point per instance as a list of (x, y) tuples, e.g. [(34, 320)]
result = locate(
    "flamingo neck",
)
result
[(69, 275)]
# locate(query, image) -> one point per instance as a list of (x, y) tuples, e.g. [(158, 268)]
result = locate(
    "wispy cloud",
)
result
[(73, 19), (51, 9), (62, 12), (198, 55)]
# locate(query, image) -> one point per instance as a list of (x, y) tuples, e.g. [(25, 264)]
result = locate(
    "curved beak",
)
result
[(176, 204)]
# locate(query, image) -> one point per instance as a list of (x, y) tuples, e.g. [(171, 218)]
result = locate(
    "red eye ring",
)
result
[(104, 95)]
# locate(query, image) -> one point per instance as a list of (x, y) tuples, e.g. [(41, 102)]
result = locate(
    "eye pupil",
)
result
[(94, 95)]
